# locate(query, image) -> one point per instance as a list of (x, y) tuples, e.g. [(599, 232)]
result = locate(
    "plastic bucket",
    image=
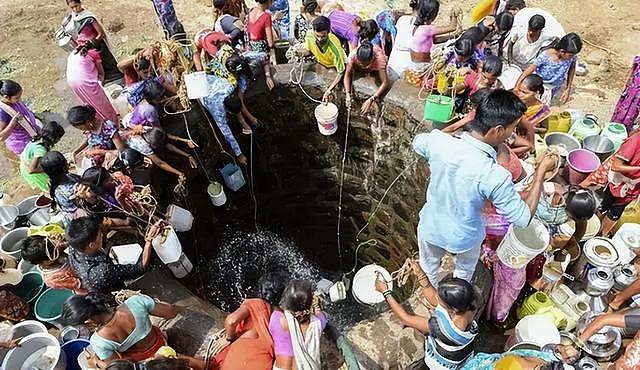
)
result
[(196, 83), (72, 349), (438, 108), (40, 217), (181, 267), (28, 205), (48, 307), (8, 216), (521, 245), (9, 244), (233, 177), (36, 351), (538, 329), (167, 246), (30, 287), (28, 327), (327, 116), (180, 218), (509, 76), (216, 194), (581, 163)]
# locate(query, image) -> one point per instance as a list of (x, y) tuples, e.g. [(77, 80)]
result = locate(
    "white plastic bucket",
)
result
[(180, 218), (167, 246), (181, 267), (196, 83), (521, 245), (327, 117), (127, 254), (37, 351), (363, 286), (216, 193), (118, 98), (509, 76), (538, 329)]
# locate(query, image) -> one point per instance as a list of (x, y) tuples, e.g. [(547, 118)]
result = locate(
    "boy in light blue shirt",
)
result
[(464, 175)]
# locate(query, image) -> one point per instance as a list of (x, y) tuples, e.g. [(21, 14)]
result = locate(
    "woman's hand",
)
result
[(566, 95), (415, 267), (366, 106), (154, 230), (193, 162), (190, 143), (242, 160), (17, 118), (568, 353), (325, 96), (270, 83), (381, 285), (11, 343), (85, 193)]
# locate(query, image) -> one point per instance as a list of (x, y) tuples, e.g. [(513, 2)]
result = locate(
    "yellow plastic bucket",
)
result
[(559, 122)]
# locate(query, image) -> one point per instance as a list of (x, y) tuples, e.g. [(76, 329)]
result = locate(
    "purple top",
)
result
[(19, 137), (342, 25), (282, 344), (144, 114)]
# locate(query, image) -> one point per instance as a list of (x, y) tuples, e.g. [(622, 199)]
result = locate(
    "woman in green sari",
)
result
[(30, 157)]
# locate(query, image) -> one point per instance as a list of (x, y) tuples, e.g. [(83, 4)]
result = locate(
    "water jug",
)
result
[(616, 132), (559, 122), (586, 127)]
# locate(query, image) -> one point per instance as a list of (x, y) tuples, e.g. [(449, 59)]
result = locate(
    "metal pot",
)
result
[(599, 145), (587, 363), (599, 281), (623, 276), (604, 345)]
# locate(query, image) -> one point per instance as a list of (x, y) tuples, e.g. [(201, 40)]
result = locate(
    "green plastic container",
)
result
[(616, 132), (49, 305), (30, 287), (438, 108)]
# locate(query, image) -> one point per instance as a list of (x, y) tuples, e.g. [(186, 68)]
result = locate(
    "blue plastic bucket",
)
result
[(72, 349), (233, 177)]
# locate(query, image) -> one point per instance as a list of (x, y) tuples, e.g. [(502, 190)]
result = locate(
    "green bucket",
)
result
[(30, 287), (438, 108), (49, 305)]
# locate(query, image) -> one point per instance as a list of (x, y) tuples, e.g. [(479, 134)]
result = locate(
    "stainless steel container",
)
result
[(623, 276), (599, 281)]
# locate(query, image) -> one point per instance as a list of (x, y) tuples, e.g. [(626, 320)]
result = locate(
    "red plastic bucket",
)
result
[(581, 163)]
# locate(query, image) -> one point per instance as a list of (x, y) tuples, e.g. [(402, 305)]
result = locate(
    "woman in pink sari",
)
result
[(85, 75), (18, 124)]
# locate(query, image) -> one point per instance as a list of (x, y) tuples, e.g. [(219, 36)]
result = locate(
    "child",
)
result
[(46, 253), (30, 158)]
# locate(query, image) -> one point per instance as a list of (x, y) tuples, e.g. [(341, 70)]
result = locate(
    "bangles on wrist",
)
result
[(387, 293)]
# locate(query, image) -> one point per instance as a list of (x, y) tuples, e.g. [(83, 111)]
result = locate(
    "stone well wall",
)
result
[(298, 170)]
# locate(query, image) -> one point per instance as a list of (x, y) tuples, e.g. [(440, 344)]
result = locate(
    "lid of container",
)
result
[(363, 286), (601, 252)]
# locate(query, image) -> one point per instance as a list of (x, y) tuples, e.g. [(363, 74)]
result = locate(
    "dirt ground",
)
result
[(28, 52)]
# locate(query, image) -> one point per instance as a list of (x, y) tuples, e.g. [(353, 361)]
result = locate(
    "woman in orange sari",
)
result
[(247, 329)]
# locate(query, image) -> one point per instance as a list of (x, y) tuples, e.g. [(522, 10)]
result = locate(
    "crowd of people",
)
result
[(475, 191)]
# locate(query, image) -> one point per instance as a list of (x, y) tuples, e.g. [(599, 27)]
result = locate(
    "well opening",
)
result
[(296, 173)]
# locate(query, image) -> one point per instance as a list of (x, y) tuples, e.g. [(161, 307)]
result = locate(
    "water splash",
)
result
[(244, 257)]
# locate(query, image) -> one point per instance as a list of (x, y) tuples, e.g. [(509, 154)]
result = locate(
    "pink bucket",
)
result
[(581, 163)]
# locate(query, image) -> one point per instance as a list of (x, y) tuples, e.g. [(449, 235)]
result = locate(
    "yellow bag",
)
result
[(481, 10)]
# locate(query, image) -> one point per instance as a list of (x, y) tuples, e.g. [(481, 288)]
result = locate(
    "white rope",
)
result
[(344, 160), (298, 80)]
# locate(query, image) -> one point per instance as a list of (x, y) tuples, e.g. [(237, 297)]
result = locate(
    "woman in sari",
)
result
[(247, 329), (620, 177), (450, 331), (124, 331), (557, 67), (83, 26), (62, 186), (18, 124), (85, 75), (260, 28), (102, 137), (628, 106), (30, 168), (530, 91), (296, 331)]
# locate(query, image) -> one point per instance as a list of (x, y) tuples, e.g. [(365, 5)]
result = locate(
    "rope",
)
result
[(298, 81), (344, 160), (384, 195), (401, 275), (206, 173), (253, 194)]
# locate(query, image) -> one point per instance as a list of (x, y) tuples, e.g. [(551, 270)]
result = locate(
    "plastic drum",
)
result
[(363, 286)]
